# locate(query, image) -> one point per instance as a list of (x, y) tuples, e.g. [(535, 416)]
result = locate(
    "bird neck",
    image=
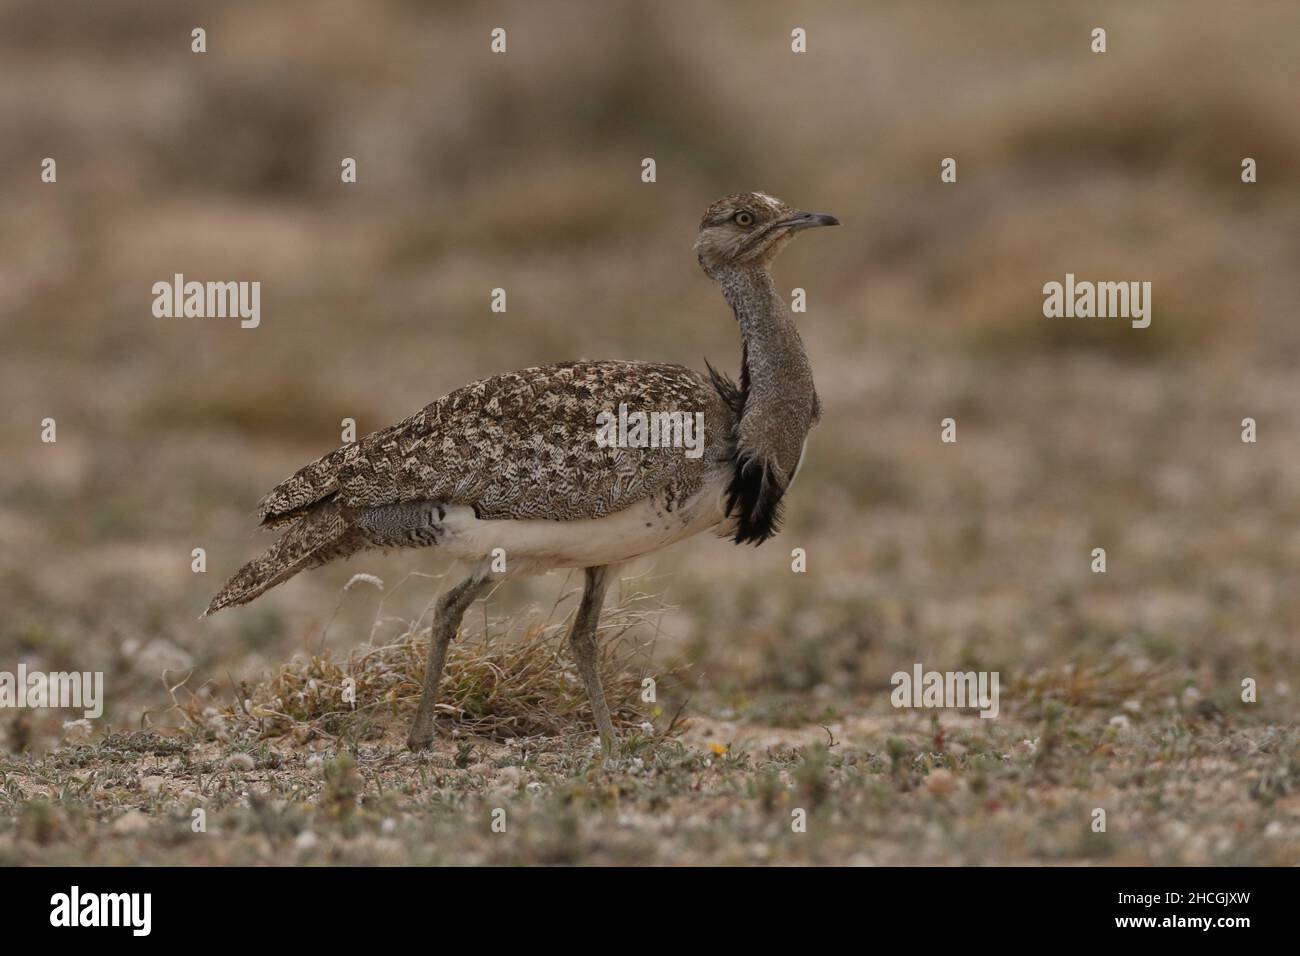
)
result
[(774, 366), (776, 405)]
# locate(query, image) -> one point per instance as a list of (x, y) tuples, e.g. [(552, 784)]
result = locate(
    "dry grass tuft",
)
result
[(1106, 686), (512, 678)]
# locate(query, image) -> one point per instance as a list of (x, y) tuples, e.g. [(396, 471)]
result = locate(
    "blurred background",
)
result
[(523, 171)]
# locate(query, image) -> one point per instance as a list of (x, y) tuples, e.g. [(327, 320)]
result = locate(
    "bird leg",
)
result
[(583, 640), (446, 622)]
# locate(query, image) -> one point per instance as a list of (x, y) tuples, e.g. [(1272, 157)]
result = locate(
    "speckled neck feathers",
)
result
[(776, 403)]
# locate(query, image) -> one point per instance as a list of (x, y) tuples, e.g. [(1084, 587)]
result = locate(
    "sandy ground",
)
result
[(1121, 691)]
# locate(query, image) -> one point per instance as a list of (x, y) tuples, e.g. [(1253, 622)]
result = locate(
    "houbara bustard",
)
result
[(527, 468)]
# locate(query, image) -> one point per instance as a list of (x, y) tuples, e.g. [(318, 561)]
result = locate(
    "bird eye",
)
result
[(744, 219)]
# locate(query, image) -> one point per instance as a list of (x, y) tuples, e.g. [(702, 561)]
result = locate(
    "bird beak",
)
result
[(807, 220)]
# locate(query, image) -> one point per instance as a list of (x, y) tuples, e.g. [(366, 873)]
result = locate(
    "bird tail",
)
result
[(320, 535)]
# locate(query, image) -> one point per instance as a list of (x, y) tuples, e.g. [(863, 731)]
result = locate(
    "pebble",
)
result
[(940, 782), (131, 823)]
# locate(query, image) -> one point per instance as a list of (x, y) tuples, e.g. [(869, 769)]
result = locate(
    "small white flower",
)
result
[(74, 730)]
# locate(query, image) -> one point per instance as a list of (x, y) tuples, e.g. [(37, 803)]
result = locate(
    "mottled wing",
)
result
[(521, 445)]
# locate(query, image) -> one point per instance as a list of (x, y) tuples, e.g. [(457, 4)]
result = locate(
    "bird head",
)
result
[(749, 229)]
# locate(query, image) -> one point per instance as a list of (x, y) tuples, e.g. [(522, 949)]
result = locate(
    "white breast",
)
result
[(534, 545)]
